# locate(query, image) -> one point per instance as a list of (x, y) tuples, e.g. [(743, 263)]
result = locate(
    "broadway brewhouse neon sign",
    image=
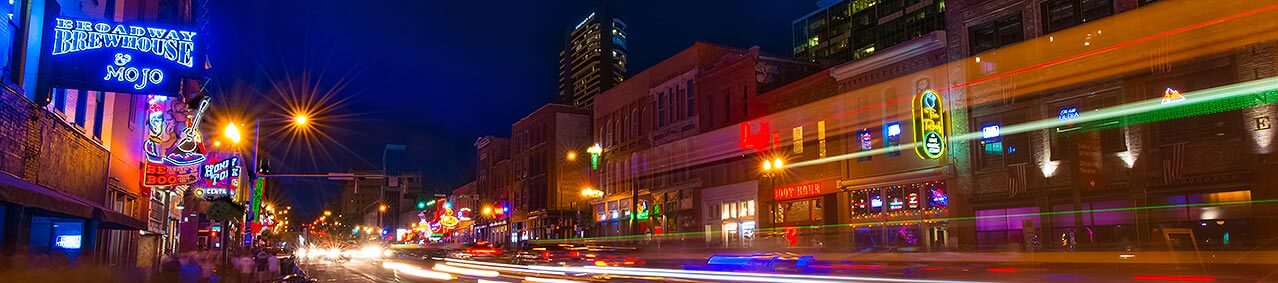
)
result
[(118, 57)]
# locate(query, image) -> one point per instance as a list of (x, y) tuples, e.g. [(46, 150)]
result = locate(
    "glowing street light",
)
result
[(232, 133), (572, 156), (381, 208), (591, 192), (488, 210), (328, 213), (301, 119)]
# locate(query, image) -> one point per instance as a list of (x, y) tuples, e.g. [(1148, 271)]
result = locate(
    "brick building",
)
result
[(71, 157), (1084, 174), (547, 184), (493, 184)]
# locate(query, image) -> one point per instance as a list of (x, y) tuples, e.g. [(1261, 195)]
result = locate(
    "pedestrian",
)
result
[(273, 267), (190, 270), (245, 266), (169, 268)]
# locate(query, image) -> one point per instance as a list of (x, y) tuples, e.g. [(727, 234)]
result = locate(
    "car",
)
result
[(477, 250), (549, 253), (612, 256)]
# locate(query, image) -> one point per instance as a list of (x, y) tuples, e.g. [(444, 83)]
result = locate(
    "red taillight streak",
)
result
[(1003, 270), (929, 269), (850, 266), (1174, 278)]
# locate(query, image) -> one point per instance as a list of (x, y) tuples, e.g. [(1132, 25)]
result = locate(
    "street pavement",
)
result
[(416, 270)]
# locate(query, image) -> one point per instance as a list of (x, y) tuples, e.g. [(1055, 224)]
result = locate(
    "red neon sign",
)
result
[(797, 191)]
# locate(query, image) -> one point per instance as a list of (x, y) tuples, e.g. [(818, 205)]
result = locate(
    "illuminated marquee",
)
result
[(220, 178), (797, 191), (172, 158), (118, 57), (930, 122)]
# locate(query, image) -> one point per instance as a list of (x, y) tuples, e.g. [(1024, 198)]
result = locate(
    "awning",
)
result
[(117, 221), (22, 192), (19, 191), (929, 174)]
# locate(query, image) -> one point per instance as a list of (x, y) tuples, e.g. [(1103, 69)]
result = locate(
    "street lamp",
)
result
[(381, 208), (301, 119), (572, 156), (328, 213), (232, 133)]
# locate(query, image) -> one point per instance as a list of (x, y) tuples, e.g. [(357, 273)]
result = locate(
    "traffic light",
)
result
[(421, 204)]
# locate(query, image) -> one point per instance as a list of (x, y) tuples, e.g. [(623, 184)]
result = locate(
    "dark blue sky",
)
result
[(435, 75)]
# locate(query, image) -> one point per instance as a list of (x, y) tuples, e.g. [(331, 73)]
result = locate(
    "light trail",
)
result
[(416, 271), (499, 267), (1133, 42), (730, 276), (774, 275), (1262, 88), (465, 271), (962, 218)]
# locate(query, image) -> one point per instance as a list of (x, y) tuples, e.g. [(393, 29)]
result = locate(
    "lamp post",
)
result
[(234, 134), (772, 169)]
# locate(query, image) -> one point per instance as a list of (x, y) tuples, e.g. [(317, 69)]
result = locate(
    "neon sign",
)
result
[(797, 191), (68, 242), (171, 162), (1067, 113), (866, 140), (221, 178), (939, 197), (120, 57), (895, 204), (991, 132), (913, 200), (930, 121), (1172, 96)]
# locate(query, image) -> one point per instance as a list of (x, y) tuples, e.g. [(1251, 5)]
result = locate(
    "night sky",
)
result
[(435, 75)]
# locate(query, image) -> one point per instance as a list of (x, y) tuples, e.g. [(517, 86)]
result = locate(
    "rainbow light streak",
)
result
[(1224, 98), (729, 276), (907, 221)]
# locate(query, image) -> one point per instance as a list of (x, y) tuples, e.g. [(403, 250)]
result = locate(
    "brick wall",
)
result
[(39, 147)]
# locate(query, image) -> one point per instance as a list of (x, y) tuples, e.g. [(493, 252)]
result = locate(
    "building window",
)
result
[(798, 140), (892, 138), (821, 139), (688, 91), (865, 142), (797, 211), (991, 144), (997, 33), (727, 107), (661, 109), (1062, 14)]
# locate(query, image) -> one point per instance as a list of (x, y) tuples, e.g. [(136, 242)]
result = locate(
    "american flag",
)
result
[(1016, 179), (1173, 161)]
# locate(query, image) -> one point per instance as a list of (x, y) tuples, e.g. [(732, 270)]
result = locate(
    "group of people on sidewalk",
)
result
[(194, 267)]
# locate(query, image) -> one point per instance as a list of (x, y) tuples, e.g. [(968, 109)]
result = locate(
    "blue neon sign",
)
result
[(121, 57)]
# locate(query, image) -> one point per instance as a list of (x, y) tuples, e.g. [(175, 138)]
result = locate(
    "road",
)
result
[(411, 270)]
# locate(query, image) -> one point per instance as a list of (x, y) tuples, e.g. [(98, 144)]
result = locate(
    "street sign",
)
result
[(341, 176)]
